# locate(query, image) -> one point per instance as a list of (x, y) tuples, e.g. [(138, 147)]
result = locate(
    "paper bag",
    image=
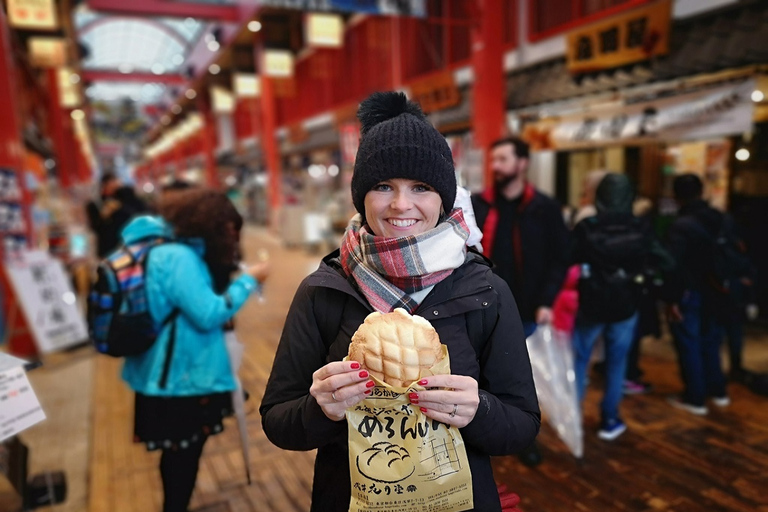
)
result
[(401, 460)]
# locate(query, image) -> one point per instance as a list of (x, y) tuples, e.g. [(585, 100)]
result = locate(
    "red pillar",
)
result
[(208, 134), (178, 151), (488, 96), (60, 128), (20, 340)]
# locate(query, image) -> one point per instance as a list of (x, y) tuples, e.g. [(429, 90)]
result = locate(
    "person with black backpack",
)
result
[(614, 250), (174, 273), (702, 291)]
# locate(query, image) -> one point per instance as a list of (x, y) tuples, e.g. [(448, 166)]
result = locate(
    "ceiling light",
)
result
[(208, 38), (74, 78), (77, 114), (176, 109), (178, 59), (190, 22), (757, 96), (148, 188), (214, 69), (742, 155), (213, 46), (158, 68), (190, 94), (254, 26), (125, 68)]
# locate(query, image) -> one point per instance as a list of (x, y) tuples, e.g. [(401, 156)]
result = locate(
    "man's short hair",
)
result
[(519, 146), (687, 187)]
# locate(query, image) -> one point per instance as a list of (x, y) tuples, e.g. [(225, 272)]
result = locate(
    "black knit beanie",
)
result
[(397, 141)]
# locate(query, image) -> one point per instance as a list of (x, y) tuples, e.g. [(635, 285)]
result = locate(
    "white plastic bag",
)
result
[(551, 357)]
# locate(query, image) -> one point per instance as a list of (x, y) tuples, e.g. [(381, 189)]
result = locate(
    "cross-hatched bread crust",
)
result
[(395, 347)]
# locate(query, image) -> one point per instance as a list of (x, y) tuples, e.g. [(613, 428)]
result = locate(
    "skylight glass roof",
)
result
[(136, 44)]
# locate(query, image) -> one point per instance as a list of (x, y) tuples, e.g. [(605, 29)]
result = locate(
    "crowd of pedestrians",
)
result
[(601, 275)]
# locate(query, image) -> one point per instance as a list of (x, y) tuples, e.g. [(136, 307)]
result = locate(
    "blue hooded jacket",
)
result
[(178, 279)]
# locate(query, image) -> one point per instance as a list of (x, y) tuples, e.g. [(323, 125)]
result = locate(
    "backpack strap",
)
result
[(171, 318)]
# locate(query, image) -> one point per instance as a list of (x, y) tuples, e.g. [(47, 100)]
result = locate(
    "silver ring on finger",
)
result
[(333, 395), (455, 408)]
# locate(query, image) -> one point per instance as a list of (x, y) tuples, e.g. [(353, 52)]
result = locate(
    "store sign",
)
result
[(32, 14), (714, 112), (278, 63), (436, 92), (389, 7), (45, 294), (324, 30), (246, 85), (349, 137), (632, 37), (222, 101), (47, 52), (20, 408)]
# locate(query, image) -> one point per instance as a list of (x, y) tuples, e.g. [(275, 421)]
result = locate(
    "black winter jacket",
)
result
[(544, 245), (507, 419)]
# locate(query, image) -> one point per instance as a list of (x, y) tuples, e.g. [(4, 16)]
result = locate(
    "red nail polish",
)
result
[(370, 384), (367, 391), (413, 396), (355, 366), (423, 382), (422, 409), (363, 374)]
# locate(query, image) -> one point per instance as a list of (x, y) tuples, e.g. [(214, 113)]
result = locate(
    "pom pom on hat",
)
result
[(397, 141)]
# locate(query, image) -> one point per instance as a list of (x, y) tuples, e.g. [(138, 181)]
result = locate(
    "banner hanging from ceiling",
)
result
[(717, 111)]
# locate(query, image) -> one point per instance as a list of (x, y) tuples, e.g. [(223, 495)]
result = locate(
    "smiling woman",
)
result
[(406, 248)]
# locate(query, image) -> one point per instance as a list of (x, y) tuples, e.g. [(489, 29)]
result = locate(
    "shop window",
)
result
[(550, 17)]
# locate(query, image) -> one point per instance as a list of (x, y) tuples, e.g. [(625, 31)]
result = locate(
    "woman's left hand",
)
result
[(456, 405)]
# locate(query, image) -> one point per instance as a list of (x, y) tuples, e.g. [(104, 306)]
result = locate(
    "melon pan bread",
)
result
[(395, 347)]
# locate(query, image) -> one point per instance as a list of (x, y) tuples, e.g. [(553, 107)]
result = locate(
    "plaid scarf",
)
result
[(388, 269)]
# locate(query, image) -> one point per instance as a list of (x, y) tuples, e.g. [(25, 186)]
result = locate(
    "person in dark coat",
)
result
[(406, 248), (118, 204), (696, 312), (523, 233)]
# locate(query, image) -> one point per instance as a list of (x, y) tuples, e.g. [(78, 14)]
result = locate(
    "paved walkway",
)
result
[(668, 461)]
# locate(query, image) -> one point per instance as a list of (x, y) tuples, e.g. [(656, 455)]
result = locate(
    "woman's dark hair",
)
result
[(207, 214)]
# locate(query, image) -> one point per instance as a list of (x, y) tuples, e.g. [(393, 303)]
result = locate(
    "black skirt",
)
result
[(179, 422)]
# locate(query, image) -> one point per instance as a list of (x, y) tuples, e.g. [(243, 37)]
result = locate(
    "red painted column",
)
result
[(208, 134), (268, 117), (489, 100), (20, 340), (60, 126), (178, 151), (11, 142)]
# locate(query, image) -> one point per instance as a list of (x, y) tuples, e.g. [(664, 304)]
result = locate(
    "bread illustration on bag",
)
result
[(386, 462), (396, 347)]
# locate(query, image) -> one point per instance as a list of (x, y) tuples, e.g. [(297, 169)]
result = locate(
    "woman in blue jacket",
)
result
[(184, 381)]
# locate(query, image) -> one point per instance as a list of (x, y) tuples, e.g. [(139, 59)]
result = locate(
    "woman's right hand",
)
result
[(338, 386), (259, 271)]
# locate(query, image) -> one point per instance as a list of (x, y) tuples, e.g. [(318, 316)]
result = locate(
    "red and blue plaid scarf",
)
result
[(388, 269)]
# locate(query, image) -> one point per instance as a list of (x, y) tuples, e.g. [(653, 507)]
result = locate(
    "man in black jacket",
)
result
[(523, 233), (525, 237)]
